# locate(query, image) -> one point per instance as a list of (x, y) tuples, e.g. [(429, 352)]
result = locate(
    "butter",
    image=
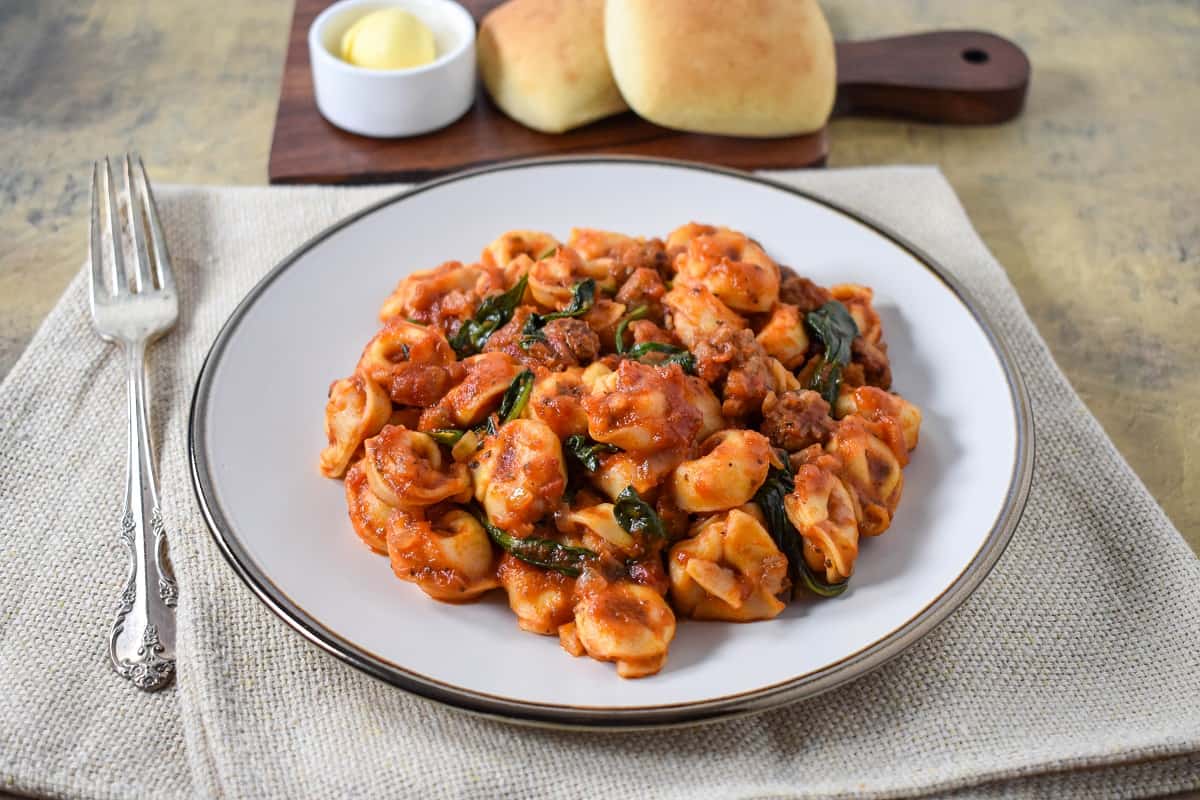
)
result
[(390, 38)]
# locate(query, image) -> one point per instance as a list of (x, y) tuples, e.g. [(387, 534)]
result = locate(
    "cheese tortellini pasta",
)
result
[(620, 430)]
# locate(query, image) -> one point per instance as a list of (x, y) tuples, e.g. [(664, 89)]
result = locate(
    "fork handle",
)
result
[(142, 642)]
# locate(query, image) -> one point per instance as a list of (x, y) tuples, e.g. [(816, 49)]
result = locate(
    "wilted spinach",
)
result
[(586, 451), (769, 497), (836, 329), (583, 296), (635, 515), (544, 553), (516, 397), (493, 313)]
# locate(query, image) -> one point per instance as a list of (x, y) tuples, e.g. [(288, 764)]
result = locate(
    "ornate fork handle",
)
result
[(142, 643)]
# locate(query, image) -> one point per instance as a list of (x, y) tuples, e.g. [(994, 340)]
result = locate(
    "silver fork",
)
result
[(133, 308)]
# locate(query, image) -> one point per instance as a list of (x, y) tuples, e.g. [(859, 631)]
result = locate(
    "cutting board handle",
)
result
[(956, 77)]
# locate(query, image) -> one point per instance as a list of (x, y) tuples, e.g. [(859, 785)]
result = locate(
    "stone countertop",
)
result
[(1090, 199)]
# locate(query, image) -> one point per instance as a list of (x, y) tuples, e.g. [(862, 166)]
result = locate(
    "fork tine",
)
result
[(162, 259), (143, 282), (120, 284), (95, 251)]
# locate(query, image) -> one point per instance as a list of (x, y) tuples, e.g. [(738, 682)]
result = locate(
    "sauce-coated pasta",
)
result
[(619, 431)]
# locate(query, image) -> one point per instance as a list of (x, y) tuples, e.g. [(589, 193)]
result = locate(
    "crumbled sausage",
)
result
[(644, 287), (797, 419), (735, 357), (803, 293), (877, 371), (572, 340), (568, 342)]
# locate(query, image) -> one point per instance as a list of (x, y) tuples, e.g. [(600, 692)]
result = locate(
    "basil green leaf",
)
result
[(635, 515), (493, 313), (516, 397), (836, 330), (586, 451), (544, 553)]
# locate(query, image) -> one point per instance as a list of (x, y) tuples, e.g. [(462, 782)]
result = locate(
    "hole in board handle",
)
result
[(975, 56)]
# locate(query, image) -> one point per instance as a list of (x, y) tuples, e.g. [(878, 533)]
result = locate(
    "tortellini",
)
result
[(642, 408), (733, 466), (628, 623), (551, 279), (695, 314), (542, 600), (731, 266), (406, 469), (784, 337), (487, 377), (519, 475), (357, 408), (857, 300), (368, 514), (450, 291), (884, 408), (612, 458), (509, 246), (823, 512), (413, 363), (728, 569), (870, 471), (449, 555), (557, 401)]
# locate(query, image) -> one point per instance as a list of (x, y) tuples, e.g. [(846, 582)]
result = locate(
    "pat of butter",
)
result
[(390, 38)]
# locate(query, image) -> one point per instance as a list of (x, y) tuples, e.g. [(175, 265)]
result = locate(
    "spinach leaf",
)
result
[(446, 436), (516, 397), (544, 553), (836, 329), (818, 586), (769, 497), (638, 313), (583, 297), (493, 313), (586, 451), (675, 355), (635, 515)]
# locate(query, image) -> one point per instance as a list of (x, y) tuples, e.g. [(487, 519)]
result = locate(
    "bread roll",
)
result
[(733, 67), (543, 63)]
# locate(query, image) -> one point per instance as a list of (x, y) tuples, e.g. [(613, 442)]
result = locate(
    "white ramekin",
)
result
[(400, 102)]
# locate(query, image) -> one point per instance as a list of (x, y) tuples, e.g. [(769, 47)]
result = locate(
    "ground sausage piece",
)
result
[(643, 330), (644, 287), (735, 357), (569, 342), (877, 371), (630, 257), (796, 420), (803, 293), (724, 350), (572, 341)]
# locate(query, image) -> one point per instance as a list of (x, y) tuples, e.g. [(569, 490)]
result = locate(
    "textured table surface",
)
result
[(1091, 199)]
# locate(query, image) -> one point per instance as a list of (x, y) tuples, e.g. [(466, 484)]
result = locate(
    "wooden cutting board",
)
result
[(956, 77)]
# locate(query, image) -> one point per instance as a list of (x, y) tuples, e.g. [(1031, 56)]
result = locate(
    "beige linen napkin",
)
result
[(1074, 670)]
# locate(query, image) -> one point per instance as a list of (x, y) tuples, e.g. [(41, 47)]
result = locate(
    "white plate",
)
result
[(256, 430)]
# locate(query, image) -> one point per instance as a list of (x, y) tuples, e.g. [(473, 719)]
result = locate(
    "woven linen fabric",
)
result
[(1073, 671)]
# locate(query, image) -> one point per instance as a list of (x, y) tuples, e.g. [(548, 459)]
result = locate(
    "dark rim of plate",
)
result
[(714, 709)]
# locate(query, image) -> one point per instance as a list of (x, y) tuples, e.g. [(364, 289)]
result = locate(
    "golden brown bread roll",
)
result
[(733, 67), (543, 63)]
